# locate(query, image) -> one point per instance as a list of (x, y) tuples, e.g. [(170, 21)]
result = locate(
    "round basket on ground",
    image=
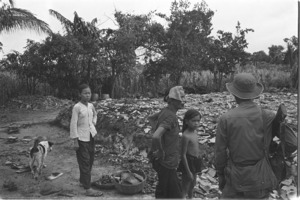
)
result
[(107, 186), (105, 182), (130, 188)]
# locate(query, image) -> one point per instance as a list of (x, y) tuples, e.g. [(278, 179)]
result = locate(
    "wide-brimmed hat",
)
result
[(245, 86), (177, 93)]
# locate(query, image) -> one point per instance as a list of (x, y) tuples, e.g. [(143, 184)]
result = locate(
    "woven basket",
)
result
[(131, 189), (108, 186)]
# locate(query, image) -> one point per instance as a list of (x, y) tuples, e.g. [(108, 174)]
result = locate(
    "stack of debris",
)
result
[(125, 120)]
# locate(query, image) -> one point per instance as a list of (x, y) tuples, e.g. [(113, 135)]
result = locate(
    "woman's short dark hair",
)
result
[(82, 87)]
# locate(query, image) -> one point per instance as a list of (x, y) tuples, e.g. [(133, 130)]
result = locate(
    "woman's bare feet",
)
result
[(93, 193)]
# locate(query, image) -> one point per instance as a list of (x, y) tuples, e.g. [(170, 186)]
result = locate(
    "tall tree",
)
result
[(89, 36), (184, 42), (120, 45), (12, 18), (62, 57), (276, 54), (259, 56), (226, 51), (26, 66), (78, 27)]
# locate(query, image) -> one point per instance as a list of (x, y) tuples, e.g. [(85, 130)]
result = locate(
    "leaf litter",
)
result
[(125, 121)]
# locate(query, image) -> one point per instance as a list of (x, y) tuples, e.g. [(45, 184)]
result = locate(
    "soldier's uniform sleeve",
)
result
[(221, 146)]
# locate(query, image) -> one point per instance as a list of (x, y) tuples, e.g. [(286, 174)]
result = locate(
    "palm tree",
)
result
[(89, 36), (12, 18), (78, 26)]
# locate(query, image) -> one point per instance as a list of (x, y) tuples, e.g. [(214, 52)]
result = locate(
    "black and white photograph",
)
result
[(149, 99)]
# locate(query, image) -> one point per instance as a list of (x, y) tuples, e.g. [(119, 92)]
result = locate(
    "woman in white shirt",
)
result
[(83, 131)]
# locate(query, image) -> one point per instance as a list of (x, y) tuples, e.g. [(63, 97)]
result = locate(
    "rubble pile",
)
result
[(37, 102), (126, 118), (125, 121)]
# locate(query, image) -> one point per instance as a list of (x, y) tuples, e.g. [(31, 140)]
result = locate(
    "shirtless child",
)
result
[(190, 156)]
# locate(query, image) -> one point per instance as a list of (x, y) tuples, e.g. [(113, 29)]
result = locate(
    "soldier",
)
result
[(243, 138)]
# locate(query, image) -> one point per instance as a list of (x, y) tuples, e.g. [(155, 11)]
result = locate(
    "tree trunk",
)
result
[(112, 93), (215, 80), (88, 78), (108, 86), (220, 82)]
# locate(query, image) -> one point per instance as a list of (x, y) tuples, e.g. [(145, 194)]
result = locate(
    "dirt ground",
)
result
[(61, 159)]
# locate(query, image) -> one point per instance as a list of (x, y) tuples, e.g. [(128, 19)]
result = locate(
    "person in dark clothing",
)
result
[(165, 145), (242, 141)]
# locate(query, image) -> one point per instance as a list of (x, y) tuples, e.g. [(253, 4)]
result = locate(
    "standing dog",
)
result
[(38, 154)]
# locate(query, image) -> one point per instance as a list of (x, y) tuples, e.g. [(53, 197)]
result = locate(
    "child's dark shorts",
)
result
[(195, 164)]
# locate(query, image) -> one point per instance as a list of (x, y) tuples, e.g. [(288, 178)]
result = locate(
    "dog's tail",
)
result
[(34, 148)]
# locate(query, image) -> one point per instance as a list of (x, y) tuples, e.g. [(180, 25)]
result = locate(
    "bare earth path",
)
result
[(61, 159)]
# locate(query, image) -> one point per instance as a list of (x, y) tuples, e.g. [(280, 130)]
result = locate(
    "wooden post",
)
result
[(298, 109)]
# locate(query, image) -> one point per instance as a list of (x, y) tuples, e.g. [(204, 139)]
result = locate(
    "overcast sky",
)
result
[(272, 20)]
